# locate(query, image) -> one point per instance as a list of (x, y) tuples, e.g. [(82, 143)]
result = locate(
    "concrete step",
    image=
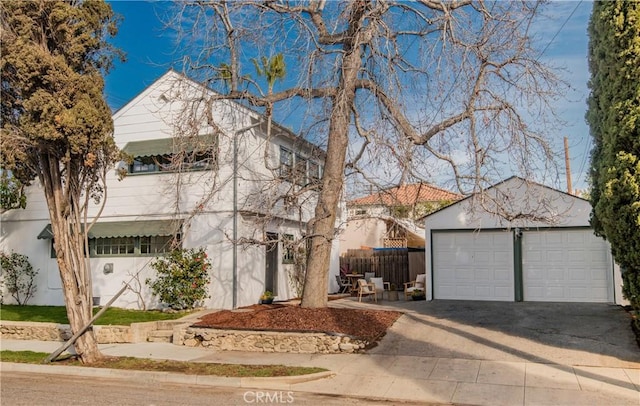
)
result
[(167, 324), (160, 336)]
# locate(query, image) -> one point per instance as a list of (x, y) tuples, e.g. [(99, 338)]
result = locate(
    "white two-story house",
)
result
[(204, 174)]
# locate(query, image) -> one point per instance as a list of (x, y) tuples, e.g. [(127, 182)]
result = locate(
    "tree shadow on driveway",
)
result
[(587, 334)]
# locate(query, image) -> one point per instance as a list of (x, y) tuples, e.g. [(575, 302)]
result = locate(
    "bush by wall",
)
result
[(182, 278), (18, 276)]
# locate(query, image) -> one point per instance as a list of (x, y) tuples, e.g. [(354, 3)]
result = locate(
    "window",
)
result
[(130, 246), (163, 163), (128, 238), (155, 245), (286, 163), (297, 169), (148, 164), (53, 250), (114, 246), (314, 172), (152, 156), (301, 170), (200, 162), (288, 251)]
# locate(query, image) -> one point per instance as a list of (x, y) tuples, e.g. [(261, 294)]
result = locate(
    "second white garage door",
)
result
[(565, 266), (473, 265)]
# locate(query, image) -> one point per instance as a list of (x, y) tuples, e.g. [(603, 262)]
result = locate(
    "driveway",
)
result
[(578, 334)]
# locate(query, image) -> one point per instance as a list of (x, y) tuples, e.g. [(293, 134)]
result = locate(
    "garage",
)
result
[(536, 246), (565, 266), (473, 266)]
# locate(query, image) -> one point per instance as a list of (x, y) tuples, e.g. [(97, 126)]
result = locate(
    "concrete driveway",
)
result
[(578, 334)]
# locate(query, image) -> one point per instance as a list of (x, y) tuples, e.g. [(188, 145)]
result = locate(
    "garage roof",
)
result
[(514, 202)]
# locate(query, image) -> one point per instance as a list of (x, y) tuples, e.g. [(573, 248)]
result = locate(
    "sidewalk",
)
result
[(441, 352), (413, 378)]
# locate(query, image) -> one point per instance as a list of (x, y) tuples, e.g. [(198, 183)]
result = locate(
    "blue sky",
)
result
[(151, 51)]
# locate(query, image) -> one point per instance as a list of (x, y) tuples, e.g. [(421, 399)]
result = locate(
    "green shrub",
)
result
[(18, 276), (182, 278)]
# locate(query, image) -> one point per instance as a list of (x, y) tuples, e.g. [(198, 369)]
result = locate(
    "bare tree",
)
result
[(413, 88)]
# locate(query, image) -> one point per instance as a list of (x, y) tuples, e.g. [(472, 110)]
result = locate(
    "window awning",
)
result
[(165, 146), (142, 228), (147, 148)]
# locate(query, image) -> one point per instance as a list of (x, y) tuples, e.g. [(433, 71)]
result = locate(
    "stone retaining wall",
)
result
[(220, 340), (22, 330), (268, 341)]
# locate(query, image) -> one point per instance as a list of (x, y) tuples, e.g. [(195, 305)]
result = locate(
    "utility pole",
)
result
[(567, 165)]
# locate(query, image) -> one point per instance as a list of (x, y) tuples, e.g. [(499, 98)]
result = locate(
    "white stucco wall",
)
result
[(368, 232)]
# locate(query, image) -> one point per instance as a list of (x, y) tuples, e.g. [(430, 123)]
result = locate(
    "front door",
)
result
[(271, 264)]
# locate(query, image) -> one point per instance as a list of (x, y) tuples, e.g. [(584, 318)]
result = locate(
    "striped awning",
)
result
[(135, 228), (166, 146)]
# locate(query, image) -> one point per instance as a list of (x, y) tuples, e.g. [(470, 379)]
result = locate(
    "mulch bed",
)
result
[(370, 325)]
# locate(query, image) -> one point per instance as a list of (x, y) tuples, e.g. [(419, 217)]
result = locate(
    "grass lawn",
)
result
[(189, 368), (58, 314)]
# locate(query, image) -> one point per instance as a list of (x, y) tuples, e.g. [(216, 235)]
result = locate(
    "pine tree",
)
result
[(614, 120), (57, 128)]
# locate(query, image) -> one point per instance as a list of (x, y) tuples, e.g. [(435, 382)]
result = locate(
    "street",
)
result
[(43, 389)]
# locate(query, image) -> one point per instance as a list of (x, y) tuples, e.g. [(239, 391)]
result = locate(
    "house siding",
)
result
[(209, 222)]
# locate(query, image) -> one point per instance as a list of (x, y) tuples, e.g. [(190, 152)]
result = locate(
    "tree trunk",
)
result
[(79, 314), (323, 227), (69, 237)]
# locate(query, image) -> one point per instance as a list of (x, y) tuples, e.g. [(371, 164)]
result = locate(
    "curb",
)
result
[(283, 382)]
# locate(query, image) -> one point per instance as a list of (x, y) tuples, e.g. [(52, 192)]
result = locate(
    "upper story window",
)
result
[(297, 169), (314, 172), (286, 163), (145, 164), (161, 155), (300, 175)]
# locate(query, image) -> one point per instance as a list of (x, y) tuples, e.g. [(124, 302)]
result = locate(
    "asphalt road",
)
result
[(43, 389)]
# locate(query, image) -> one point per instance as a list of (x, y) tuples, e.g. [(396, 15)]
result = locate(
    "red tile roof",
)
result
[(407, 195)]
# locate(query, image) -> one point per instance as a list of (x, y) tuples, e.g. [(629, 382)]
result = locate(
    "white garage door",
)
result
[(473, 265), (565, 266)]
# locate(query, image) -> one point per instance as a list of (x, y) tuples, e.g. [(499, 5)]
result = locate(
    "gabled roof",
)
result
[(513, 202), (512, 179), (177, 77), (406, 195)]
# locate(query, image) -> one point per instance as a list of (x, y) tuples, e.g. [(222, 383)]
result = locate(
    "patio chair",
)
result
[(343, 284), (366, 289), (419, 283), (381, 286), (368, 276)]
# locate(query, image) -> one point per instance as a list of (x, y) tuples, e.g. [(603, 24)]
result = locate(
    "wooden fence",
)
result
[(396, 266)]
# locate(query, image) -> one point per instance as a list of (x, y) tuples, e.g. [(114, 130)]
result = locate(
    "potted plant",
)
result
[(393, 293), (267, 297), (418, 294)]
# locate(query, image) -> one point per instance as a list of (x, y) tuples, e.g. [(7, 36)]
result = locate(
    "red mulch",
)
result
[(370, 325)]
